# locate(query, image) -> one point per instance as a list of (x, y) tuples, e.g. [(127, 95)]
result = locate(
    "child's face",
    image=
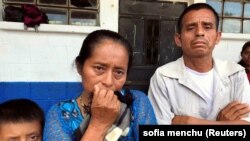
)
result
[(21, 131), (246, 56)]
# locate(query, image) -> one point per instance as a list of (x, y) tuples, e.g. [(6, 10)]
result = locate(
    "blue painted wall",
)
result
[(44, 93)]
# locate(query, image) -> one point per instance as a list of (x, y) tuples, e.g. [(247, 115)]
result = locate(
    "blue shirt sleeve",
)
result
[(61, 121), (142, 112)]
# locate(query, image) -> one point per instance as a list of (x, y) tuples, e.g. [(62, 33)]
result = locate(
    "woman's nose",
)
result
[(107, 79)]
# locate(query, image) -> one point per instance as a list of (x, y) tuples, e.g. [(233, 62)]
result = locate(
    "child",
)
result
[(21, 119), (245, 58)]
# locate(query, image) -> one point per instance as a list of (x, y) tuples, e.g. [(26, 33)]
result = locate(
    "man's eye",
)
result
[(190, 28), (208, 26)]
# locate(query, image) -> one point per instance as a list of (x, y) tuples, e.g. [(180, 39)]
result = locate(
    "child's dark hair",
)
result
[(21, 110), (245, 46)]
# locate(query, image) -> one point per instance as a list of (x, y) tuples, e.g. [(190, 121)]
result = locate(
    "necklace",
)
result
[(86, 108)]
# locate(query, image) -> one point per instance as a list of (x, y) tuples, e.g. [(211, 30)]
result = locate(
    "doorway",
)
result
[(150, 27)]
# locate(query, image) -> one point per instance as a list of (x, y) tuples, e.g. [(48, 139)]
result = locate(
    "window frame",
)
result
[(225, 17), (108, 19)]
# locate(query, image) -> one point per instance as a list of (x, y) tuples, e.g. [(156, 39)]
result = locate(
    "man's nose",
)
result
[(200, 31)]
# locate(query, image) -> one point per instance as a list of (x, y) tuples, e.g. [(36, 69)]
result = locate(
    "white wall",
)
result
[(31, 56), (230, 46), (48, 55)]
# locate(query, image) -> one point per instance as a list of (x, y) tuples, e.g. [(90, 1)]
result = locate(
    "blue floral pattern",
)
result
[(71, 113), (64, 118)]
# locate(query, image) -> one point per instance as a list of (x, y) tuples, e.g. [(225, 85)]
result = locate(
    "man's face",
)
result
[(198, 35), (21, 131)]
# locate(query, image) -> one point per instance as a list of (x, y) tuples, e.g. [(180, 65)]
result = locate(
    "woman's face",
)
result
[(106, 67), (246, 56)]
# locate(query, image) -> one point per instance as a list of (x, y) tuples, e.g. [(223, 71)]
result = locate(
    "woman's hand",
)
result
[(105, 108)]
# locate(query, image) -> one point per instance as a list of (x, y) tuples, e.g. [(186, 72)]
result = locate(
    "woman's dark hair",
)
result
[(21, 110), (197, 6), (245, 46), (97, 37)]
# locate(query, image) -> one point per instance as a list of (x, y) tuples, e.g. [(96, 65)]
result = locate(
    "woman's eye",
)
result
[(99, 68), (119, 73)]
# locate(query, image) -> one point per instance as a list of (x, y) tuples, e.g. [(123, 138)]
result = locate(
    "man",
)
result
[(197, 88), (21, 120)]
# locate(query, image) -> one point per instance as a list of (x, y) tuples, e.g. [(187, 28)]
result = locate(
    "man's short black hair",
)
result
[(197, 6)]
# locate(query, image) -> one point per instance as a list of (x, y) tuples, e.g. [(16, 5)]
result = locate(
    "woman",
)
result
[(245, 58), (103, 63)]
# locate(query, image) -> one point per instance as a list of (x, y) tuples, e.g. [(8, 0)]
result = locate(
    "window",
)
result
[(234, 15), (66, 12), (150, 27)]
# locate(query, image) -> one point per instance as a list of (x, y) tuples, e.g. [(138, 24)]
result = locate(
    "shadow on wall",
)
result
[(44, 93)]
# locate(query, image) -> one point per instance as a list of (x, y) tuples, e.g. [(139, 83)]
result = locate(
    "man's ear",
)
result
[(218, 37), (79, 68), (177, 39)]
